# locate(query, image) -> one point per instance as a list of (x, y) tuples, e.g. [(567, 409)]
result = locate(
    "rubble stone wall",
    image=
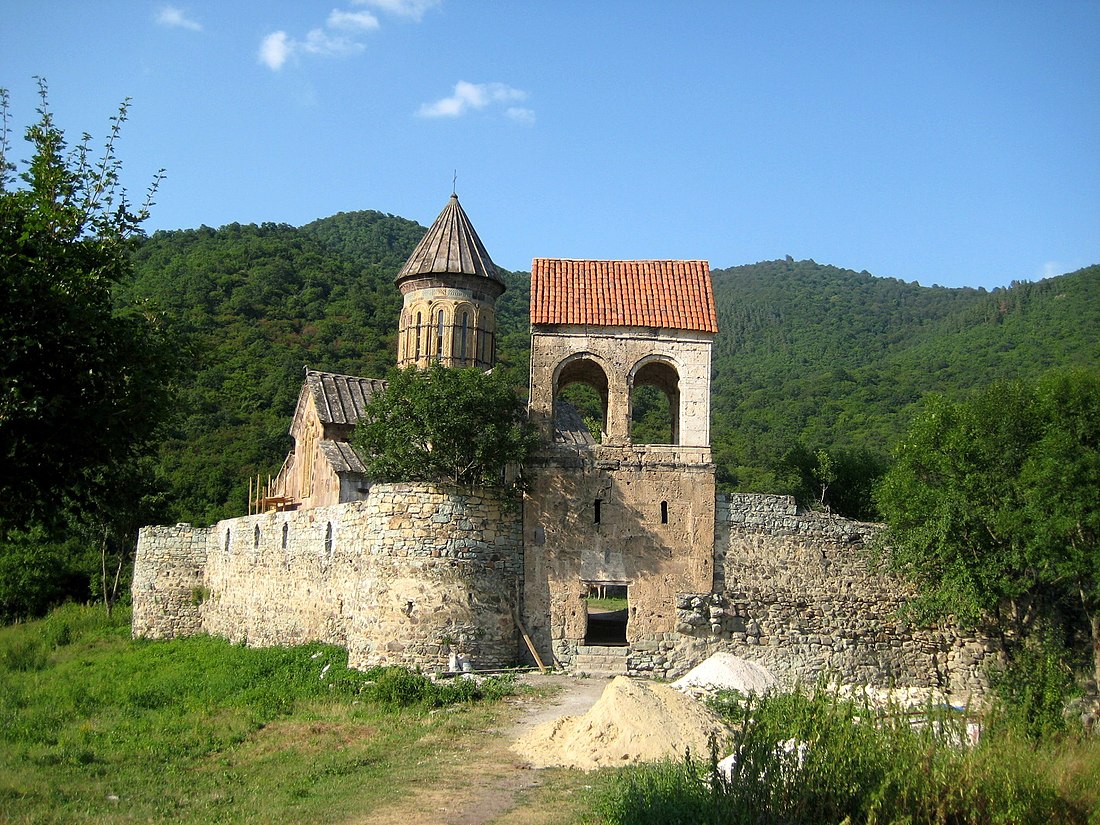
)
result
[(399, 578), (799, 592), (168, 581)]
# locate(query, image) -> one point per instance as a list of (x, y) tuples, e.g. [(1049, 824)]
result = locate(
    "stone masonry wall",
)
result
[(798, 592), (397, 578), (168, 581)]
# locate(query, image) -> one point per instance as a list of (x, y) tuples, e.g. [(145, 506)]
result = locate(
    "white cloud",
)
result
[(339, 37), (468, 96), (320, 42), (521, 115), (413, 9), (351, 20), (275, 50), (171, 16)]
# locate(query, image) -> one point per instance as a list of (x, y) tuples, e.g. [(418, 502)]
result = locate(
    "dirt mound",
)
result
[(633, 721), (724, 671)]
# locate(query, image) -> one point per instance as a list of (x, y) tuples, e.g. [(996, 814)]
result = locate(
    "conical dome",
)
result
[(450, 247)]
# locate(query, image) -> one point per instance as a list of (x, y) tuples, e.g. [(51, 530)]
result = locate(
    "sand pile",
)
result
[(724, 671), (631, 722)]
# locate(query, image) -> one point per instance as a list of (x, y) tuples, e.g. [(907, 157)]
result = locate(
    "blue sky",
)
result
[(946, 143)]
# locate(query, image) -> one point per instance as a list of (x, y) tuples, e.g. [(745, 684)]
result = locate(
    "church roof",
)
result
[(342, 457), (450, 247), (341, 399), (667, 294)]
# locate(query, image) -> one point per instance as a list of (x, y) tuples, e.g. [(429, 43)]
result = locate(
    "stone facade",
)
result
[(653, 533), (398, 578), (802, 593), (613, 361), (169, 576)]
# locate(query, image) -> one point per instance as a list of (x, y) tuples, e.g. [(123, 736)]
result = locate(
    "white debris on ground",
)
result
[(724, 671), (902, 698), (633, 721), (791, 755)]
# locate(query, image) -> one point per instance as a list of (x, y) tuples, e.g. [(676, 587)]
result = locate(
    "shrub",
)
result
[(816, 759)]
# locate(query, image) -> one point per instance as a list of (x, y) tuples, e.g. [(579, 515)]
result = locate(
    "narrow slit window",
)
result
[(418, 320), (256, 537), (286, 534), (462, 340), (439, 336), (664, 512), (328, 539), (226, 541), (596, 512)]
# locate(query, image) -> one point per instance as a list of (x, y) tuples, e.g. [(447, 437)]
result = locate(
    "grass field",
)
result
[(97, 728)]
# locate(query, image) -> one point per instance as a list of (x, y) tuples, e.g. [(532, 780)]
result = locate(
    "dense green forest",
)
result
[(810, 358)]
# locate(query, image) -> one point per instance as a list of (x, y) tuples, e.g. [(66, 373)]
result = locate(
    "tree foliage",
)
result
[(993, 506), (84, 382), (459, 426), (86, 378)]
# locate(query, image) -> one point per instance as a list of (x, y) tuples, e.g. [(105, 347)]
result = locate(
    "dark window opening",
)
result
[(596, 512), (286, 534), (328, 539), (664, 512), (256, 537), (418, 319), (607, 608), (226, 541)]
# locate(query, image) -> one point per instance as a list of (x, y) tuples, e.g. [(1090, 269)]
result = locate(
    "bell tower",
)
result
[(450, 287)]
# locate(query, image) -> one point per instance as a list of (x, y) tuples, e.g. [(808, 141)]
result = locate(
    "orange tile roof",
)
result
[(669, 294)]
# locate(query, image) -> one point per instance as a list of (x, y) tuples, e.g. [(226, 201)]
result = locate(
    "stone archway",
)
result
[(661, 407), (584, 372)]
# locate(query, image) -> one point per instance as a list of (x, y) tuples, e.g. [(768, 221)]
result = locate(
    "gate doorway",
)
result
[(608, 611)]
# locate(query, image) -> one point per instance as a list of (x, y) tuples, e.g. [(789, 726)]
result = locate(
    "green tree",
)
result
[(84, 383), (459, 426), (86, 379), (993, 506)]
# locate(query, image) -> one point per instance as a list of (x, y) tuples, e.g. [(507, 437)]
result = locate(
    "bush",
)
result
[(1034, 689), (36, 573), (816, 759)]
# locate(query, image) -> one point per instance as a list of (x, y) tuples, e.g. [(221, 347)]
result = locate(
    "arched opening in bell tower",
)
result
[(655, 403), (582, 385)]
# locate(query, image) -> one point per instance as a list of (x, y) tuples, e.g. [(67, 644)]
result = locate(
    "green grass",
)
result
[(95, 727), (861, 767), (609, 603)]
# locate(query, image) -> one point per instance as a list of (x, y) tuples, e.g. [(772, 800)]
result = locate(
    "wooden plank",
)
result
[(530, 644)]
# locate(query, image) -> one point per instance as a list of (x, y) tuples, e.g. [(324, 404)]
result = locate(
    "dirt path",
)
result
[(482, 781)]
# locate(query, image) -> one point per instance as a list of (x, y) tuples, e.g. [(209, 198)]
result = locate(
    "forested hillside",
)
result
[(812, 357), (809, 357)]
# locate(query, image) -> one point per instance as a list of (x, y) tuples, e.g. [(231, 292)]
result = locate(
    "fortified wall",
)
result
[(414, 569), (401, 577), (801, 593)]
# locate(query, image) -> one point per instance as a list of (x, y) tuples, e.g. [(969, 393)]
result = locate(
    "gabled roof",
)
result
[(569, 426), (450, 247), (340, 399), (667, 294), (342, 457)]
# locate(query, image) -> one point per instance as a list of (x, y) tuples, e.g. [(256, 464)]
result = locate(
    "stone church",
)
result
[(410, 573)]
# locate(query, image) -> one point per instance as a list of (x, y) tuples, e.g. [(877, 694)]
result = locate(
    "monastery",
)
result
[(414, 573)]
